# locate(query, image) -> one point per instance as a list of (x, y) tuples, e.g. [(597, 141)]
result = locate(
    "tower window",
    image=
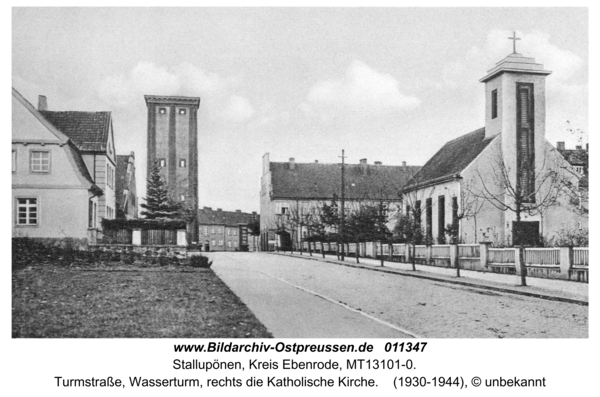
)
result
[(494, 104), (182, 163), (162, 163), (182, 111), (162, 110)]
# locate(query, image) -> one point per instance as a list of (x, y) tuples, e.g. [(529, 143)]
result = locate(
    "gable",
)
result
[(28, 125)]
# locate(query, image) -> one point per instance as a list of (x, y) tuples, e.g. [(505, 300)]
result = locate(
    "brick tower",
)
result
[(173, 145)]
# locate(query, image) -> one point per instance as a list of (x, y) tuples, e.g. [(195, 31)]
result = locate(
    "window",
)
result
[(181, 110), (418, 212), (235, 244), (214, 243), (220, 243), (441, 219), (494, 104), (428, 218), (40, 161), (14, 161), (182, 197), (282, 208), (454, 210), (182, 163), (525, 142), (229, 244), (235, 232), (213, 230), (27, 211), (220, 230), (206, 230), (229, 232), (162, 163), (162, 110), (110, 175)]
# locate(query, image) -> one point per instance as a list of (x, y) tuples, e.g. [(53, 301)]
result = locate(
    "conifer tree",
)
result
[(158, 205)]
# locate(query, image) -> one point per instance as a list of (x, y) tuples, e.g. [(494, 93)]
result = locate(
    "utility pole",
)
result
[(342, 217)]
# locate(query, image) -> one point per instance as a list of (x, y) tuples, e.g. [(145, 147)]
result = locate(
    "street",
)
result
[(296, 297)]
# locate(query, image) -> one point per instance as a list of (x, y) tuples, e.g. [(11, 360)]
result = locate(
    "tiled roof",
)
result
[(452, 158), (321, 181), (208, 216), (575, 156), (89, 130)]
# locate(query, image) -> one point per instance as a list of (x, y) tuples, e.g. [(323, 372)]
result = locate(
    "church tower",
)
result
[(516, 109), (173, 145)]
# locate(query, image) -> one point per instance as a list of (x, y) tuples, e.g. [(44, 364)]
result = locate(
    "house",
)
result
[(226, 230), (289, 188), (126, 193), (505, 182), (53, 193), (92, 134)]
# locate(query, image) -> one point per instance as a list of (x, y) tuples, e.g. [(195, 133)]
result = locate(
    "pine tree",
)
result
[(158, 205)]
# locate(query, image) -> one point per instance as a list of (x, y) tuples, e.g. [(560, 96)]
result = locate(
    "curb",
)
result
[(443, 280)]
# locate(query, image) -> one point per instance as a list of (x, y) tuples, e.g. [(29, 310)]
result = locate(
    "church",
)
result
[(503, 183)]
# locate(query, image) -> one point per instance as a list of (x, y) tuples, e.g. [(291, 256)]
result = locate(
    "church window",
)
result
[(162, 163), (454, 210), (14, 161), (428, 218), (182, 111), (525, 142), (441, 217), (417, 211), (182, 163), (494, 104), (162, 110)]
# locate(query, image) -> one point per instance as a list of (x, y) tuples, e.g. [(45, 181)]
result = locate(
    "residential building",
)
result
[(289, 188), (126, 192), (173, 145), (226, 230), (505, 182), (92, 134), (53, 193)]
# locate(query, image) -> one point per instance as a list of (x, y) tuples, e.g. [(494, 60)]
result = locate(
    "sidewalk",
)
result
[(550, 289)]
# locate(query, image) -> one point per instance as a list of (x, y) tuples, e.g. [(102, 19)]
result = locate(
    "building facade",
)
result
[(173, 146), (226, 230), (92, 134), (126, 191), (505, 180), (290, 189), (53, 193)]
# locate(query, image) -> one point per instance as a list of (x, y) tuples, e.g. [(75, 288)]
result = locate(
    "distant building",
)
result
[(226, 230), (173, 145), (54, 195), (126, 193), (289, 186), (577, 157), (92, 134)]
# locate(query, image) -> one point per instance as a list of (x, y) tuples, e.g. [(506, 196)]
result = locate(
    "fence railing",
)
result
[(581, 257), (420, 251), (542, 256), (398, 249), (159, 237), (501, 255), (468, 251), (440, 251)]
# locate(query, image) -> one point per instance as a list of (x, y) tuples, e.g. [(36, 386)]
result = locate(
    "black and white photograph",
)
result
[(236, 174)]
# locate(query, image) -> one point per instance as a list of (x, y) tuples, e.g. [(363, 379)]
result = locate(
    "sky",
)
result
[(385, 84)]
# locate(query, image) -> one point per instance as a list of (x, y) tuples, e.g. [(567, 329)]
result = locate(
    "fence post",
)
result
[(407, 253), (136, 237), (566, 262), (520, 265), (428, 254), (454, 261), (484, 247)]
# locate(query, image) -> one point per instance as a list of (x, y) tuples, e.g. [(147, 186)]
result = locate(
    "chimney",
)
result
[(42, 102), (578, 147), (363, 166), (560, 145), (208, 208), (219, 209), (238, 210), (378, 163), (253, 212), (292, 163), (404, 164), (316, 161)]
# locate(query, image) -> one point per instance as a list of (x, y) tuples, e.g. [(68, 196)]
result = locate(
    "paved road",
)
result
[(295, 297)]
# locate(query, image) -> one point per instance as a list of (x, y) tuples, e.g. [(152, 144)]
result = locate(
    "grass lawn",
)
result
[(112, 300)]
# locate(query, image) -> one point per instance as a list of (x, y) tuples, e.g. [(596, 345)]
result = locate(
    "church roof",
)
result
[(208, 216), (314, 181), (89, 130), (451, 159)]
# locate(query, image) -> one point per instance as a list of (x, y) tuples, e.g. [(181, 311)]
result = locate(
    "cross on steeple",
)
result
[(514, 39)]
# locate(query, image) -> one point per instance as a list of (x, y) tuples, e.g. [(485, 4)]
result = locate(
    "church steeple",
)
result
[(516, 109)]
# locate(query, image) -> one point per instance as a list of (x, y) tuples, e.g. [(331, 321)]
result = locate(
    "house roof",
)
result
[(208, 216), (88, 130), (79, 162), (451, 159), (310, 181), (575, 156)]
